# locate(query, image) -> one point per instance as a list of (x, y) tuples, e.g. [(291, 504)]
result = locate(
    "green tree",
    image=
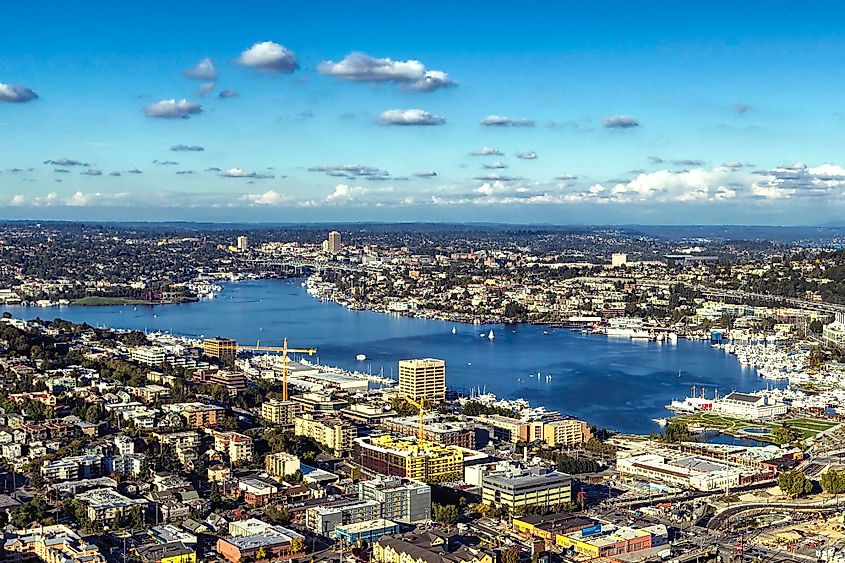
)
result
[(794, 483), (785, 434), (444, 513), (676, 432), (833, 481)]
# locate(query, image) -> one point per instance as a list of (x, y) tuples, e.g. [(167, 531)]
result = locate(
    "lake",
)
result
[(616, 383)]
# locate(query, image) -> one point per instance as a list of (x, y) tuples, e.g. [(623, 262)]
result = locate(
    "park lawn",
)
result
[(99, 301), (808, 427)]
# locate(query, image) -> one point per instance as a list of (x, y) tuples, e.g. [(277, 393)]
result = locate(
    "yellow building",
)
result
[(50, 544), (329, 431), (220, 348), (170, 552), (423, 379), (406, 457), (566, 432)]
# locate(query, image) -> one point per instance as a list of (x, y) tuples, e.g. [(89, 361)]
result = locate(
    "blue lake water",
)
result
[(616, 383)]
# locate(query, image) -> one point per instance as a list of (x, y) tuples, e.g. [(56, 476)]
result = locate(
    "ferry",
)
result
[(693, 403)]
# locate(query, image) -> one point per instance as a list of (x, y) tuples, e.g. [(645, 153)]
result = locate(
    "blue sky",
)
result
[(604, 112)]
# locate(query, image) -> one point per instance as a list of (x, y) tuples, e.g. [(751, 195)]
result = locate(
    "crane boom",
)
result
[(421, 406), (284, 351)]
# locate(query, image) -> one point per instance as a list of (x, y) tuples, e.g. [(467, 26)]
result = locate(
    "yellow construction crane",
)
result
[(420, 405), (284, 351)]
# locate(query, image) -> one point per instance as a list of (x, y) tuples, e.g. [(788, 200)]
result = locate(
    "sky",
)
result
[(595, 112)]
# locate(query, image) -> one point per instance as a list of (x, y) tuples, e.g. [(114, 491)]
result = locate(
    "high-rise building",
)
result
[(281, 464), (618, 259), (220, 348), (423, 379), (402, 500), (243, 243), (335, 243)]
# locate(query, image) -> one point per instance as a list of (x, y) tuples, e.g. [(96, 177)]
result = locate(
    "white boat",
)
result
[(454, 330), (490, 334), (673, 338), (361, 357)]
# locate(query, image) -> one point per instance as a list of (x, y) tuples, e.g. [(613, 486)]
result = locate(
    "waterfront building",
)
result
[(50, 544), (403, 500), (526, 487), (331, 432), (406, 457), (238, 447), (281, 464), (423, 379), (833, 334), (567, 433), (749, 407), (283, 413), (220, 348)]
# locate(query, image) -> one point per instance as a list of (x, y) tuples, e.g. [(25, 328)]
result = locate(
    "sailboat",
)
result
[(454, 330), (490, 334)]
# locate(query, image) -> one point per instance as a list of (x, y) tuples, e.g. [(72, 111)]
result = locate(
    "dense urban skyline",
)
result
[(270, 112)]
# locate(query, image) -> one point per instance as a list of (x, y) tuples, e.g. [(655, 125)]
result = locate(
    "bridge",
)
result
[(299, 265)]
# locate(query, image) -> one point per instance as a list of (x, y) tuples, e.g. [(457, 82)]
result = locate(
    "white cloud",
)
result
[(173, 109), (502, 121), (410, 117), (16, 94), (620, 122), (203, 70), (359, 67), (242, 173), (270, 197), (487, 151), (270, 57), (527, 155)]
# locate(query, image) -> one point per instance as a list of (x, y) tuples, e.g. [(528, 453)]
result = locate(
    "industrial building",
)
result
[(609, 540), (684, 470), (423, 379)]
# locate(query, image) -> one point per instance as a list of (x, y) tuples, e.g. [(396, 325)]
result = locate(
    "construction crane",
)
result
[(421, 406), (284, 350)]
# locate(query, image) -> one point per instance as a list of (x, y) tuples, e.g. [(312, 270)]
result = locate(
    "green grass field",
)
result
[(809, 427)]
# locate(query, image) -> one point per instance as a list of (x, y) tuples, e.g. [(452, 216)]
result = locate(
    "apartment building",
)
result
[(331, 432)]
